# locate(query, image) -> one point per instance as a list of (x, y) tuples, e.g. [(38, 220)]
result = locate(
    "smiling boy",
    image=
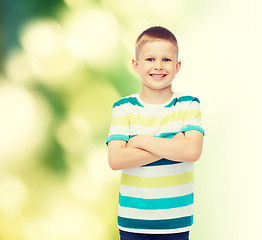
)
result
[(155, 137)]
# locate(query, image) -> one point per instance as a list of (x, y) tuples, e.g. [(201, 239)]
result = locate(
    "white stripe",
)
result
[(129, 108), (119, 129), (153, 231), (185, 105), (155, 214), (194, 121), (161, 171), (151, 131), (118, 111), (149, 112), (156, 130), (154, 193), (194, 105)]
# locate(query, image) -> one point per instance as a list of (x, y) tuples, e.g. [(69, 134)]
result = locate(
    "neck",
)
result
[(155, 96)]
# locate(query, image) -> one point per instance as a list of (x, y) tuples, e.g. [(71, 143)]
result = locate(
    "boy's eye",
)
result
[(166, 59), (150, 59)]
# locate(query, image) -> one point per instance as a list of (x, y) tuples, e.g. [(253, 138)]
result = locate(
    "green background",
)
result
[(64, 63)]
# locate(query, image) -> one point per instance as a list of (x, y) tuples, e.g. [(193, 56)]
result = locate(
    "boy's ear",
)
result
[(135, 65), (178, 66)]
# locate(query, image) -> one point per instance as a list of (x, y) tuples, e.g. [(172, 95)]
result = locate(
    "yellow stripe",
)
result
[(120, 120), (156, 182), (151, 121), (193, 114)]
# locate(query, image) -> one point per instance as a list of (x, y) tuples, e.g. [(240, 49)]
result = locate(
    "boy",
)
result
[(155, 137)]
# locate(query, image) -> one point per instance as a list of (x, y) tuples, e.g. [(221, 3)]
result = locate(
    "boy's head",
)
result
[(156, 58), (155, 34)]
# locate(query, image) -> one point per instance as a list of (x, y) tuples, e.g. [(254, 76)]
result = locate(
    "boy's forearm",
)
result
[(179, 148), (128, 157)]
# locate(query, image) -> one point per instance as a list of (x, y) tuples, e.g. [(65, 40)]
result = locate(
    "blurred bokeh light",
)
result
[(63, 65)]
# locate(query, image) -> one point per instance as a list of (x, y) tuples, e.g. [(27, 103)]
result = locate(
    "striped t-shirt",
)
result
[(156, 198)]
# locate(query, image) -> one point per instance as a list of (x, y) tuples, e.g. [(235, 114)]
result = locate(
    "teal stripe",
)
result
[(130, 136), (173, 223), (188, 98), (132, 100), (158, 203), (168, 134), (161, 162), (192, 127), (182, 99), (173, 103), (117, 137)]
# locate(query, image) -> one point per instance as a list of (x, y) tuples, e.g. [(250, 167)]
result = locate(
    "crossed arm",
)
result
[(144, 149)]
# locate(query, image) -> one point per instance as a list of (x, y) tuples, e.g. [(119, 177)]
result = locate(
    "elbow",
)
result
[(193, 155), (193, 159), (114, 163)]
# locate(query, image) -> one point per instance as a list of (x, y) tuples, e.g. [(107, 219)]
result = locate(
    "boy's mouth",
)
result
[(158, 75)]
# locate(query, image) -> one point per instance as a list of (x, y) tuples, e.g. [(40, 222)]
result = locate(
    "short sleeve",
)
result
[(192, 118), (119, 129)]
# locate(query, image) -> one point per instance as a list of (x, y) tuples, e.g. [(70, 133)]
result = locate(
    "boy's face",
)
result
[(157, 64)]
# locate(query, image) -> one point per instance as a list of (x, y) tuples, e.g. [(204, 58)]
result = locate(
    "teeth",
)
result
[(158, 75)]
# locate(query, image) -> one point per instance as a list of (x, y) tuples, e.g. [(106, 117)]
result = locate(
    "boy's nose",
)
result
[(158, 66)]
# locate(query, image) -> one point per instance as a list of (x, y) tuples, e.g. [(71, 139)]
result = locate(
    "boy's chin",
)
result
[(157, 87)]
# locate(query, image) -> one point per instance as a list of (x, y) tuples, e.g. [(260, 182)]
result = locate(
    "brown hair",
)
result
[(155, 34)]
